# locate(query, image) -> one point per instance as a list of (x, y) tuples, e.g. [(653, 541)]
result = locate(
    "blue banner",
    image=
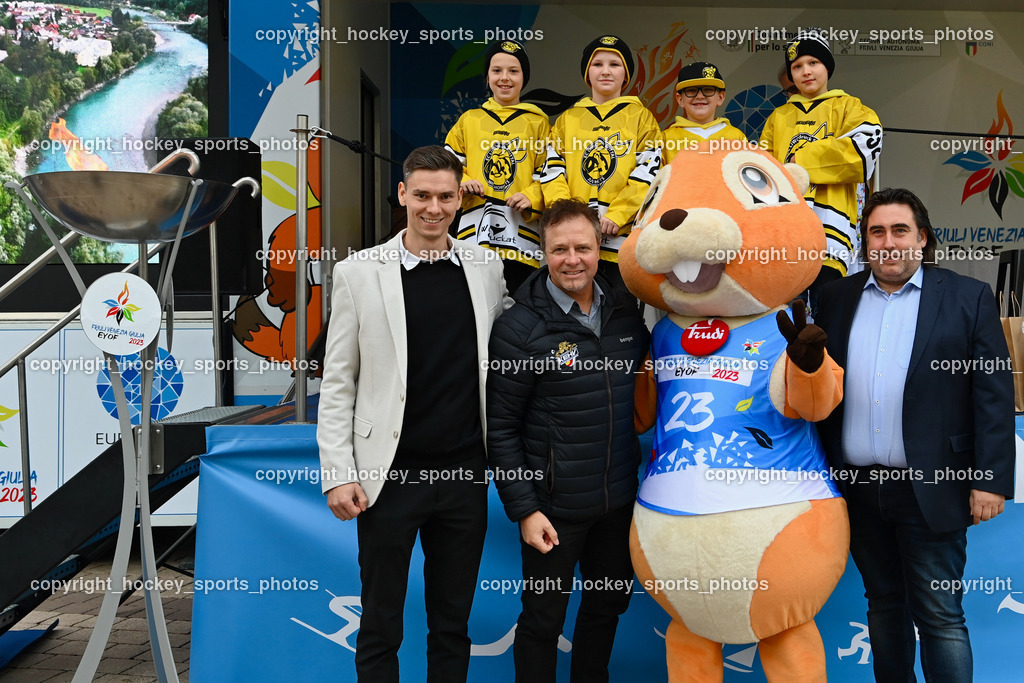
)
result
[(277, 585)]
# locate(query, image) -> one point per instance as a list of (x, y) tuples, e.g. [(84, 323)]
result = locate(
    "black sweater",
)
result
[(442, 410)]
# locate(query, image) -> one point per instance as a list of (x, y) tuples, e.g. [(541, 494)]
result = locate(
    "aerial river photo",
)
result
[(117, 121)]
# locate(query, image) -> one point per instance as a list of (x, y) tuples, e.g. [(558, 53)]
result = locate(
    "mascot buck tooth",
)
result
[(738, 532)]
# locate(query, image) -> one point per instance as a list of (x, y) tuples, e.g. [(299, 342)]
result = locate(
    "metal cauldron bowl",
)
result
[(126, 207)]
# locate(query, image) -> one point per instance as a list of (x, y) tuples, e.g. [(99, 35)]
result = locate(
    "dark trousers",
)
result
[(601, 547), (909, 573), (450, 517)]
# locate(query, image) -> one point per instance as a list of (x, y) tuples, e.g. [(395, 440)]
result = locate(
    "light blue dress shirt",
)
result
[(570, 307), (881, 341)]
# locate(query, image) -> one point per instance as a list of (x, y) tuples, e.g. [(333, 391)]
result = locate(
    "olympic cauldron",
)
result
[(140, 208)]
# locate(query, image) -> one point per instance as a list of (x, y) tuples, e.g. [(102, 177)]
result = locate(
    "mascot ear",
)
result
[(803, 181)]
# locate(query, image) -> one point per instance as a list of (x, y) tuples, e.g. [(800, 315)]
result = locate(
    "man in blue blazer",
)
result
[(923, 444)]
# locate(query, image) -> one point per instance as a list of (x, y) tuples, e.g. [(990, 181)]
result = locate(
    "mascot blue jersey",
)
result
[(721, 445)]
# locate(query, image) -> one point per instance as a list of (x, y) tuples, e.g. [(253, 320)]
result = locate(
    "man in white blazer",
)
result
[(401, 417)]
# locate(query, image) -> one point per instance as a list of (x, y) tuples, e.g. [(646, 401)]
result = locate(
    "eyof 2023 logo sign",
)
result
[(121, 314)]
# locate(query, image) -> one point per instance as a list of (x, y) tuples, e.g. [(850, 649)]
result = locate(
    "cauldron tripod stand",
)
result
[(132, 208)]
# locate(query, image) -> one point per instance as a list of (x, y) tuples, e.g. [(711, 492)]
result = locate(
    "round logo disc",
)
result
[(705, 337), (121, 314)]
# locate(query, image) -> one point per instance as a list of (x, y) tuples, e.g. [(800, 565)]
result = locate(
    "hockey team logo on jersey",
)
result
[(800, 139), (600, 159), (566, 354), (500, 162)]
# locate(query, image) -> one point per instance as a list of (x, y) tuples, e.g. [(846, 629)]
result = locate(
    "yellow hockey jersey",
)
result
[(606, 155), (505, 148), (838, 140), (686, 134)]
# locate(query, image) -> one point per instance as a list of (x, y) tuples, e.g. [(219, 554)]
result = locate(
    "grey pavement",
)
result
[(127, 658)]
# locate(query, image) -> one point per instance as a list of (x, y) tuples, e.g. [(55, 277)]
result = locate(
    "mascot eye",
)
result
[(648, 201), (760, 185)]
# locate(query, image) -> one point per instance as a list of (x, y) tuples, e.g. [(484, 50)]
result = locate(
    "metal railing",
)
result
[(31, 269), (18, 360)]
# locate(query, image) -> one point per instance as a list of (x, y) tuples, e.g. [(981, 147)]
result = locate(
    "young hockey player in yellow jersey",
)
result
[(503, 147), (837, 139), (606, 149), (700, 90)]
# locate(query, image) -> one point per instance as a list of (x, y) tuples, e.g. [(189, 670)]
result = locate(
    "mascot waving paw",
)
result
[(738, 532)]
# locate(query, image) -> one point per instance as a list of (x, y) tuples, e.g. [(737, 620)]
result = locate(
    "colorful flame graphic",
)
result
[(657, 69), (121, 309), (990, 170), (74, 151)]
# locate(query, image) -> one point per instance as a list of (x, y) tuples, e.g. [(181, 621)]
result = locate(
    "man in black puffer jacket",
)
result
[(561, 443)]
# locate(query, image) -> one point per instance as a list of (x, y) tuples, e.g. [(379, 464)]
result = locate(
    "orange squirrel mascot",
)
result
[(738, 532)]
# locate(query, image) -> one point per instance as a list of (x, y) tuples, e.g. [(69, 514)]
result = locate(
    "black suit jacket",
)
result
[(957, 424)]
